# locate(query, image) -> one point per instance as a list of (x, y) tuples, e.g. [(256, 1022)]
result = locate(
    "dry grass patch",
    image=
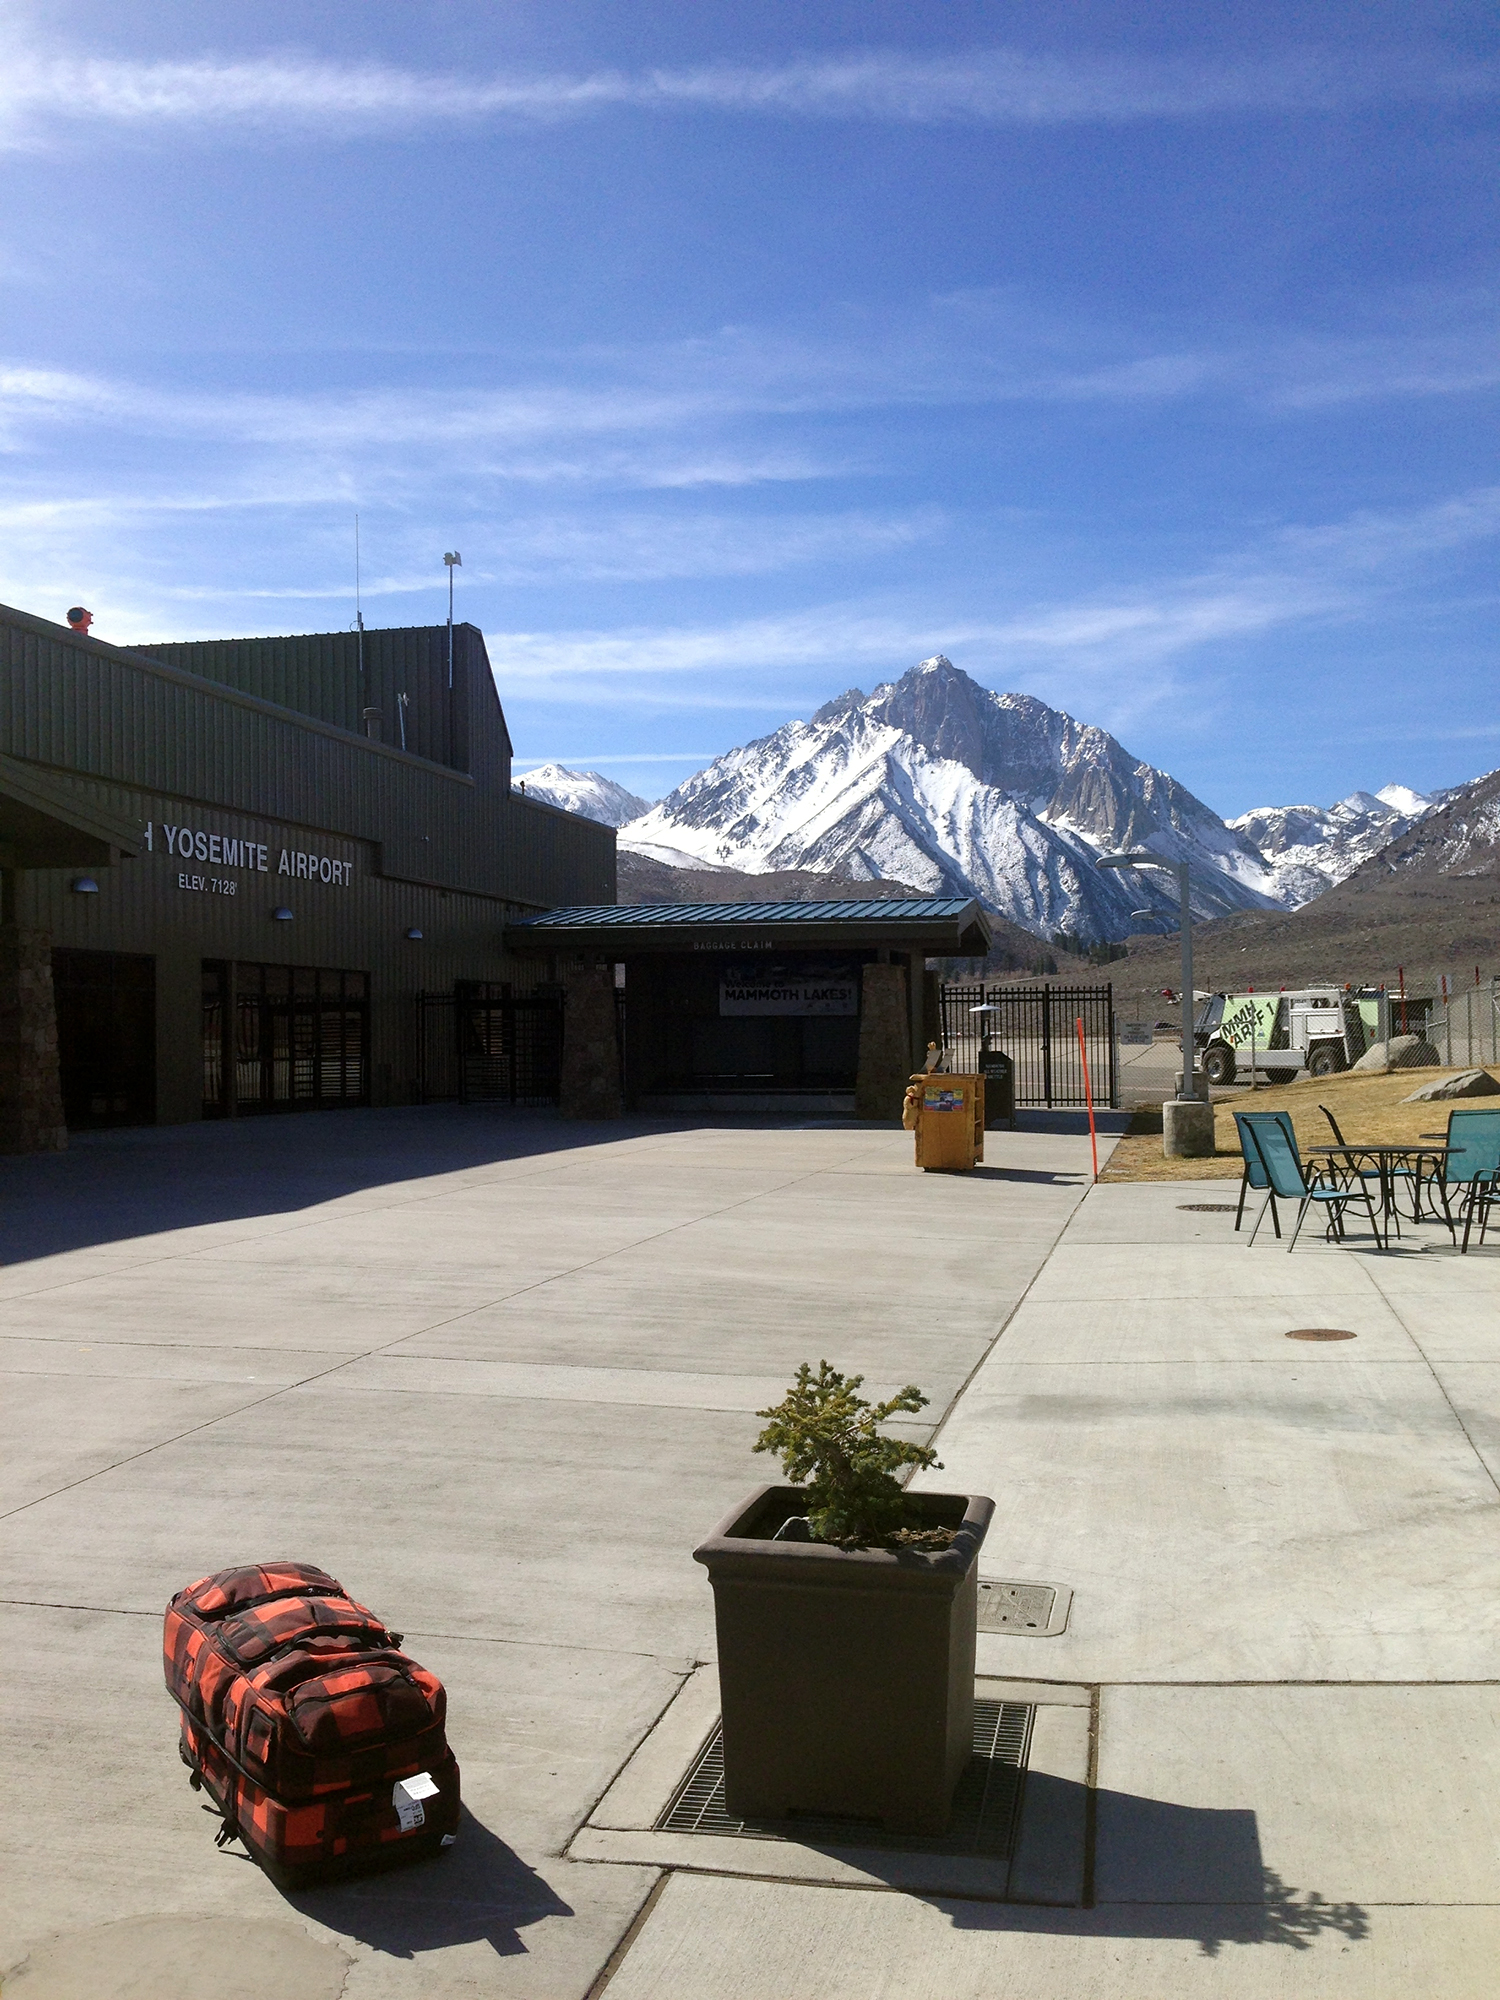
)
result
[(1368, 1108)]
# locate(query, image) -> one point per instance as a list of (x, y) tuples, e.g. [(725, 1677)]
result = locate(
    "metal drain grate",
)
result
[(1205, 1208), (984, 1806)]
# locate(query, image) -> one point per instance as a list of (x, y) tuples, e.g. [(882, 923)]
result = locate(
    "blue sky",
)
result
[(751, 352)]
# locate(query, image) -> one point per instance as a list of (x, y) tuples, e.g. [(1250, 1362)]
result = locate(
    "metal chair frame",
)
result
[(1254, 1175), (1282, 1162), (1482, 1180)]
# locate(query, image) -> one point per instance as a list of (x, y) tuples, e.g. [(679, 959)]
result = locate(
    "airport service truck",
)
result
[(1274, 1035)]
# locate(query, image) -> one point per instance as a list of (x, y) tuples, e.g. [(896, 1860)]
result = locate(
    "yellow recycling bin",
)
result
[(946, 1113)]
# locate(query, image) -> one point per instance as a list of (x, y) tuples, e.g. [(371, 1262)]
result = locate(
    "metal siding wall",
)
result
[(319, 674), (358, 928), (78, 708)]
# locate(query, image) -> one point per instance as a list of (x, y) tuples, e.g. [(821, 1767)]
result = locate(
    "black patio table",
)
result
[(1387, 1158)]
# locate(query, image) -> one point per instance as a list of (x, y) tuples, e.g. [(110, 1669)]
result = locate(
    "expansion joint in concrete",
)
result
[(1091, 1801), (1441, 1386), (1000, 1330), (637, 1924)]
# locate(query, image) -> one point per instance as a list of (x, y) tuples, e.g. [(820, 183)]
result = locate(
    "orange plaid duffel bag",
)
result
[(319, 1741)]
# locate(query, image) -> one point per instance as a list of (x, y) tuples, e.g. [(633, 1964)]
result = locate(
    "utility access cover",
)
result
[(1023, 1610)]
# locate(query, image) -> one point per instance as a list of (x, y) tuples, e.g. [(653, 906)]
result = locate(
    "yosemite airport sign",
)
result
[(223, 850)]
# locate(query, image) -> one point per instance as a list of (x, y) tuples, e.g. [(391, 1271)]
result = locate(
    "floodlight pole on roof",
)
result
[(454, 561), (359, 616)]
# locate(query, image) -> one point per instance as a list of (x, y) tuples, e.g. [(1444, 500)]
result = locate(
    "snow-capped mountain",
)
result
[(1460, 842), (585, 792), (1310, 848), (939, 782)]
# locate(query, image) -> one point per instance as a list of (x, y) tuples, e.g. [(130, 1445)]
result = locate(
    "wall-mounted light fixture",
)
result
[(85, 885), (414, 936), (282, 915)]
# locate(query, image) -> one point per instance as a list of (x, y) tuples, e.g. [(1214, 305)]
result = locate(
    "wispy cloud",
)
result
[(323, 98), (592, 759), (1125, 645), (676, 415), (629, 548)]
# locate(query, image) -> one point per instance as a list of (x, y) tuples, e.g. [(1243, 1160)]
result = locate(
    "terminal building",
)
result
[(248, 876), (767, 1006), (241, 861)]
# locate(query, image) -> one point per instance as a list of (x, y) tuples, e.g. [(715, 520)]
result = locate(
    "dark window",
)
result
[(106, 1037), (284, 1038)]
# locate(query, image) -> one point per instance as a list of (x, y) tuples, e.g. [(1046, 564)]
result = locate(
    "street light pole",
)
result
[(1189, 1086), (1140, 857)]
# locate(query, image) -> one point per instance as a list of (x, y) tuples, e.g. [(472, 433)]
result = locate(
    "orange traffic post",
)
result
[(1088, 1093)]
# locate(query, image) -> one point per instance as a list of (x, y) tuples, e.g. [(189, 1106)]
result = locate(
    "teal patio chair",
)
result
[(1287, 1178), (1475, 1168), (1254, 1174), (1397, 1170)]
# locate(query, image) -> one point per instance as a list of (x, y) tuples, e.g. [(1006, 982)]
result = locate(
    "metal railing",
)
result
[(1036, 1026), (480, 1047)]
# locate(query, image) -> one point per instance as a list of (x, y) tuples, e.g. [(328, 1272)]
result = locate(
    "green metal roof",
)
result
[(938, 924), (879, 909)]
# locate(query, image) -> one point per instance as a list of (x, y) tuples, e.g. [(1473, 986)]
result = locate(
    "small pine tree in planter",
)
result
[(845, 1608), (829, 1443)]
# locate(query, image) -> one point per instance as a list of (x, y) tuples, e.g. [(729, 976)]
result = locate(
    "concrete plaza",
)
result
[(499, 1375)]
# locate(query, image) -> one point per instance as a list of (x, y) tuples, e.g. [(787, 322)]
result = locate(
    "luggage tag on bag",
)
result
[(407, 1795)]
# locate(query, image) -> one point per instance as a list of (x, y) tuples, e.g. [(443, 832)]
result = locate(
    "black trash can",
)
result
[(999, 1073)]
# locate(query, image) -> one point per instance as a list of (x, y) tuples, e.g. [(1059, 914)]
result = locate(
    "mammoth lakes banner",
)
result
[(759, 988)]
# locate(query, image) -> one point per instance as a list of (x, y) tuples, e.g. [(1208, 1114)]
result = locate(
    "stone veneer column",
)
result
[(885, 1061), (31, 1111), (591, 1055)]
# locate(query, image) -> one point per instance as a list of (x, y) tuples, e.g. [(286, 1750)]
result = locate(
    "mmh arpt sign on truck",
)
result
[(1319, 1028)]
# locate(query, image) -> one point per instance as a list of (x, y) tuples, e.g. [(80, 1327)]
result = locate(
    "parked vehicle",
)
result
[(1274, 1035)]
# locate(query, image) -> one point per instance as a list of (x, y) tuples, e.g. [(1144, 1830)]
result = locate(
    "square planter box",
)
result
[(846, 1676)]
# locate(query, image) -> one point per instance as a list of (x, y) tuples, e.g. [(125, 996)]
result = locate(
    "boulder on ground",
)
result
[(1468, 1083), (1400, 1052)]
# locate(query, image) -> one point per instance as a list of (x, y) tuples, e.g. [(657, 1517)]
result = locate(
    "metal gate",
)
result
[(1036, 1026), (481, 1044)]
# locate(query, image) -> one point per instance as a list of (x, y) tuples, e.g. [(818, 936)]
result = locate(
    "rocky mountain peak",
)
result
[(588, 793), (935, 780), (840, 708)]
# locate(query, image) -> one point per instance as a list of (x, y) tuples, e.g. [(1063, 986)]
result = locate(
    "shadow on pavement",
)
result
[(480, 1890), (115, 1187), (1283, 1915), (1159, 1871), (112, 1187), (1071, 1124)]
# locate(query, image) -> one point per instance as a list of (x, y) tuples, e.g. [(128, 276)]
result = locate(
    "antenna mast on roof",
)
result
[(454, 560), (359, 616)]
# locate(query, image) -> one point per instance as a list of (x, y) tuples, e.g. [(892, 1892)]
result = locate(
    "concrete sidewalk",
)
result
[(499, 1375), (1286, 1566)]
